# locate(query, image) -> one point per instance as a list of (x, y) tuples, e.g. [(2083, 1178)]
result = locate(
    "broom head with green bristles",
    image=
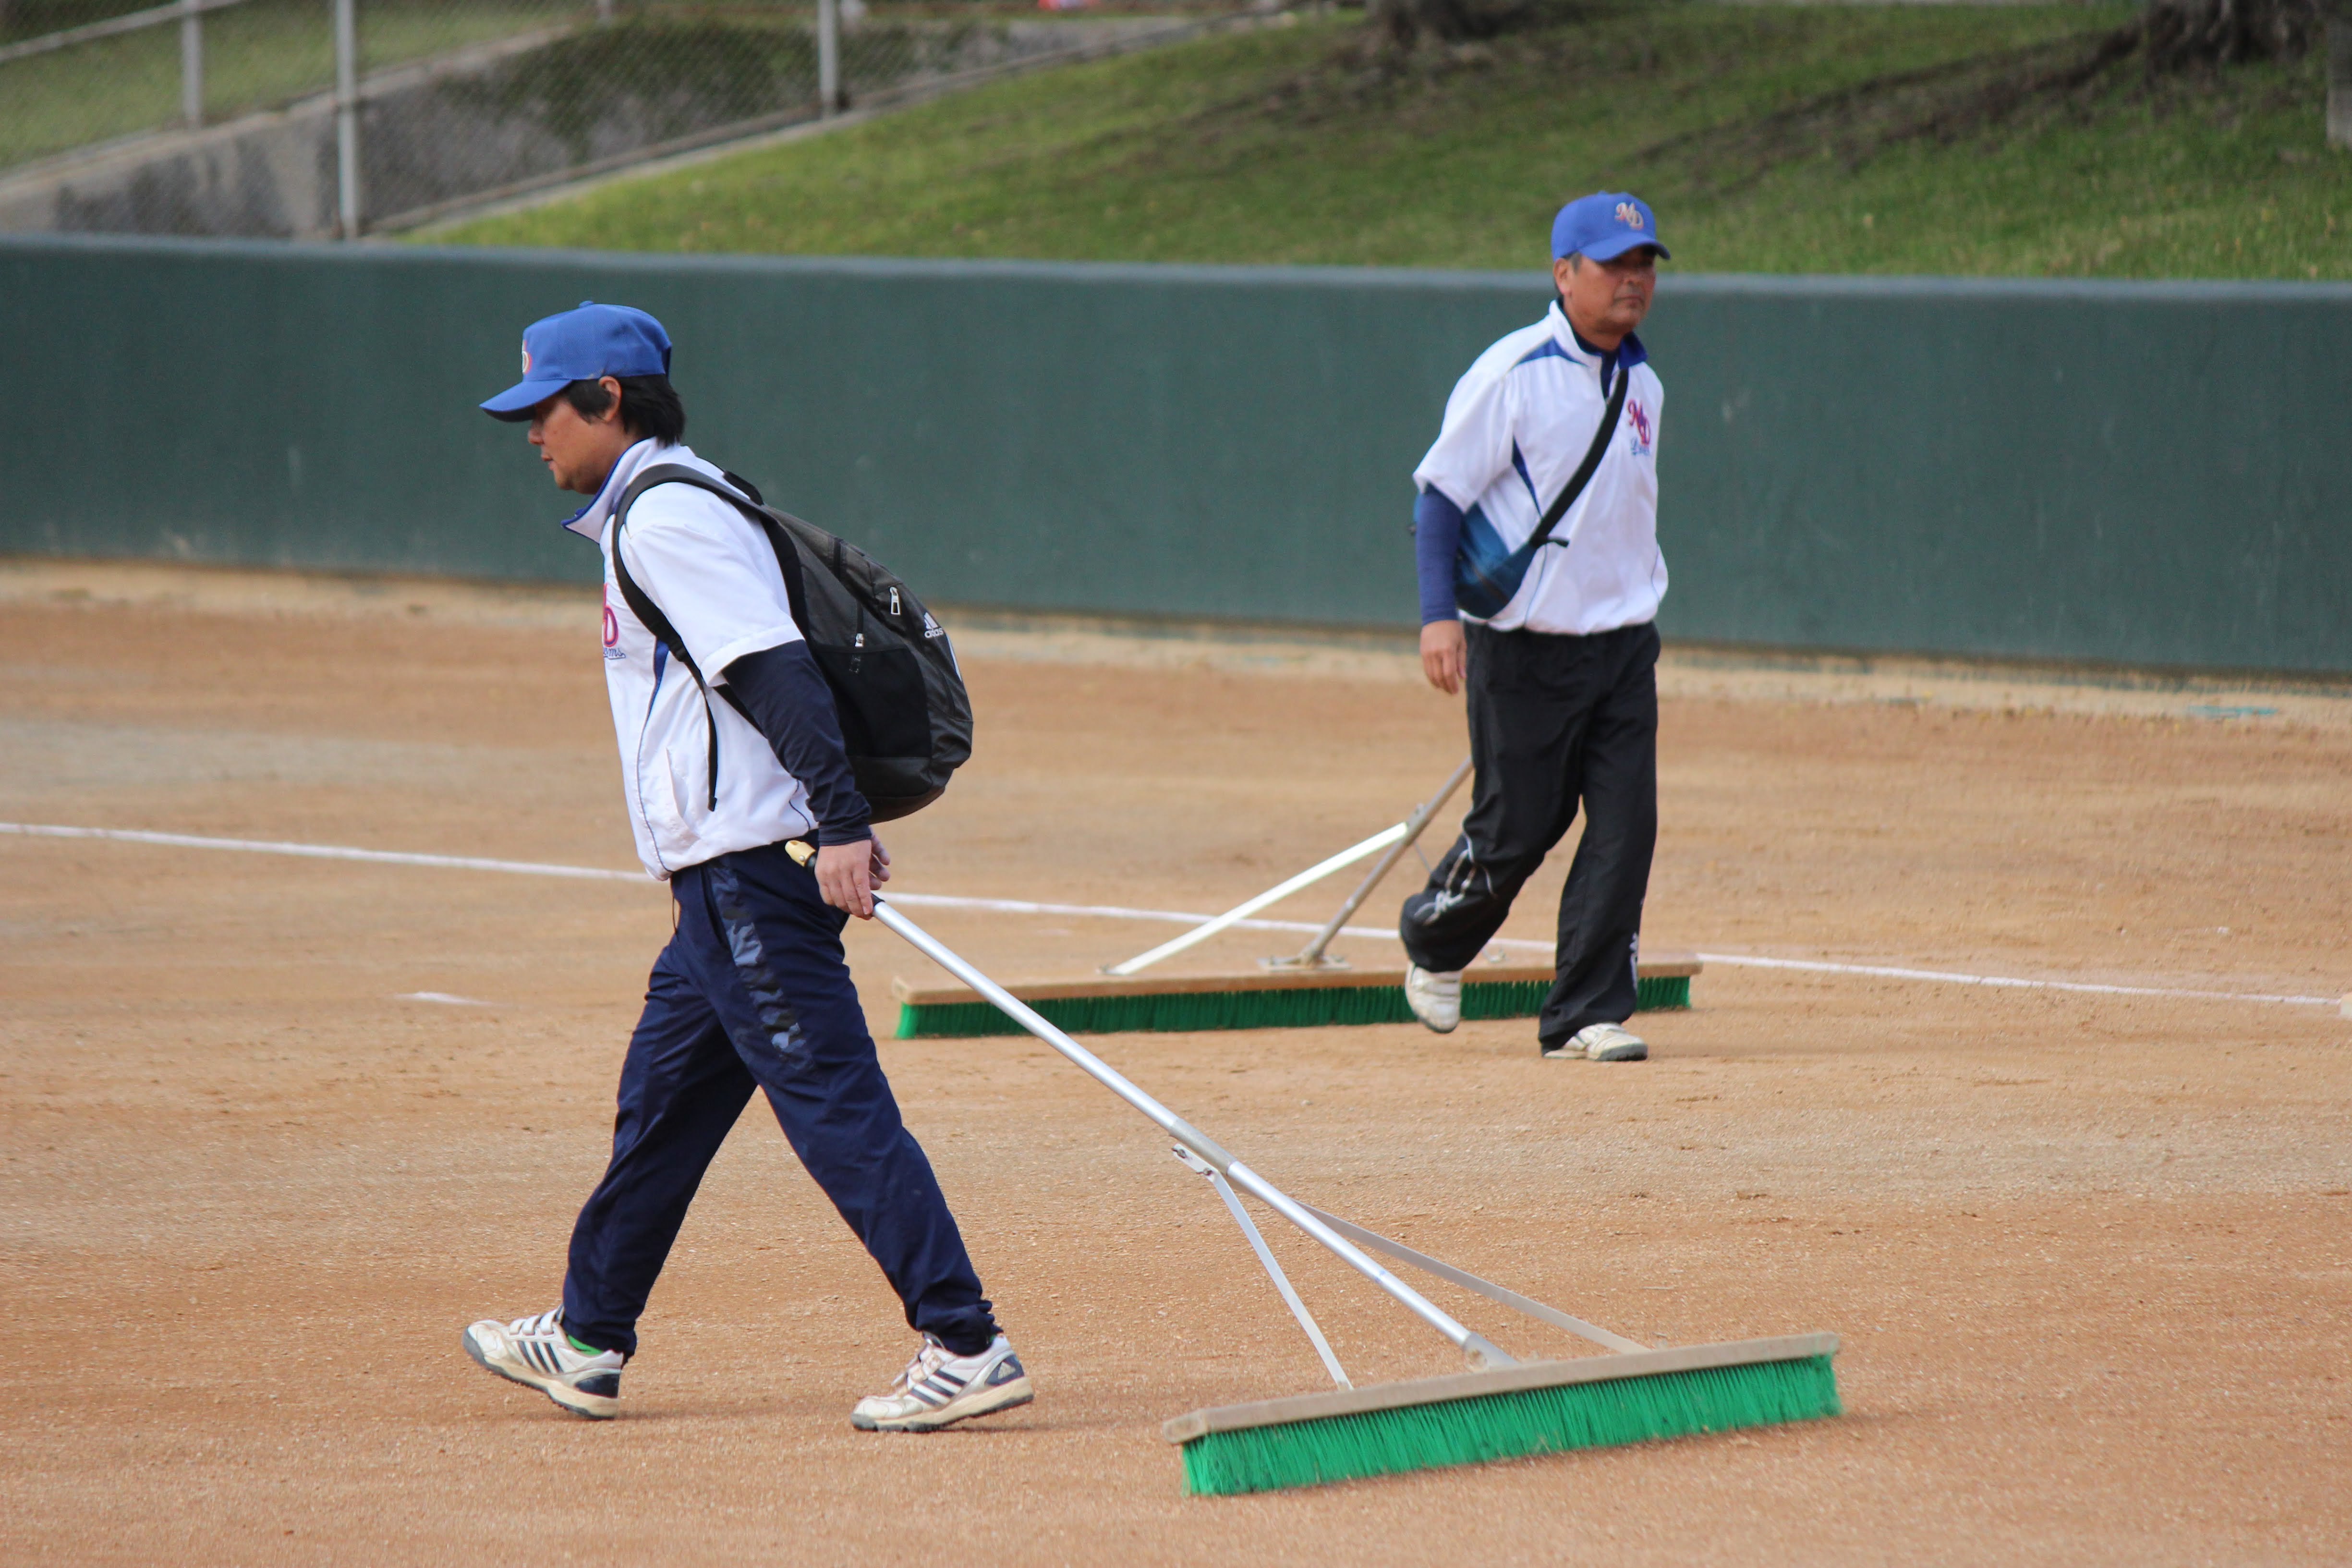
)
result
[(1540, 1407), (1629, 1396), (1260, 999)]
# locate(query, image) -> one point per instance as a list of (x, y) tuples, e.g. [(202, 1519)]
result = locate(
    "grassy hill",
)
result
[(1812, 139)]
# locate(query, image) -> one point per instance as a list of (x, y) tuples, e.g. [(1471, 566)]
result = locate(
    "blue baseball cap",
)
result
[(1603, 224), (580, 345)]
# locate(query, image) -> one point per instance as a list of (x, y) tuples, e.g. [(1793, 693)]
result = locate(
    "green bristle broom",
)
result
[(1268, 999), (1500, 1409), (1546, 1407), (1306, 990)]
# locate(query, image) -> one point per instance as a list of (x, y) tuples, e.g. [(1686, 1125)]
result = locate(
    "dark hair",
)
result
[(649, 405)]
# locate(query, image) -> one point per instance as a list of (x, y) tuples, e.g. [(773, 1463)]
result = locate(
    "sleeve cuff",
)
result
[(715, 668)]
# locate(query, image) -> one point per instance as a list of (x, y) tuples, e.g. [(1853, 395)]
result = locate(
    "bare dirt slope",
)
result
[(2090, 1255)]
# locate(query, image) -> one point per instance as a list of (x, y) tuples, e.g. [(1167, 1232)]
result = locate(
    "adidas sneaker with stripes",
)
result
[(939, 1388), (537, 1353)]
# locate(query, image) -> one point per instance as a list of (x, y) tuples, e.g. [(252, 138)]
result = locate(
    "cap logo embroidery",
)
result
[(526, 359), (1629, 215)]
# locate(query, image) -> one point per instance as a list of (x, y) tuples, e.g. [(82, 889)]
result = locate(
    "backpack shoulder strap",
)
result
[(641, 604), (788, 560), (1586, 468)]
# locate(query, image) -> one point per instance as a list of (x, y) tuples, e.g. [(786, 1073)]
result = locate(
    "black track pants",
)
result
[(1553, 721)]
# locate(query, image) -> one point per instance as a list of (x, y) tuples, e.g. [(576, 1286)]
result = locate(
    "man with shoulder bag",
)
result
[(744, 795), (1540, 576)]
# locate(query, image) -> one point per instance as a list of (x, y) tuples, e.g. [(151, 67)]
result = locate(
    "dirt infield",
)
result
[(2090, 1255)]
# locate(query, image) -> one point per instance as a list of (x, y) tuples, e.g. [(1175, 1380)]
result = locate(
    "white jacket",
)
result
[(1518, 426), (710, 570)]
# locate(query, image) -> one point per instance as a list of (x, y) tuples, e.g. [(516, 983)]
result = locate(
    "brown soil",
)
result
[(2089, 1257)]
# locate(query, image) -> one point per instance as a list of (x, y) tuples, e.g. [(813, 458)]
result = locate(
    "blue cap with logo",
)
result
[(1603, 224), (580, 345)]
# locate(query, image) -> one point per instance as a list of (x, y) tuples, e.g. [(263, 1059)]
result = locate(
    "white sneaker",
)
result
[(1600, 1043), (939, 1388), (537, 1353), (1434, 997)]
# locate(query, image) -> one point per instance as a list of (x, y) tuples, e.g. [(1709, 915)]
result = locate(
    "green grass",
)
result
[(1288, 145), (1598, 1414)]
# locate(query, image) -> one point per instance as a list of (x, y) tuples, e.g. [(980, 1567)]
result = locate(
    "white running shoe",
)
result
[(537, 1353), (1600, 1043), (1435, 997), (939, 1388)]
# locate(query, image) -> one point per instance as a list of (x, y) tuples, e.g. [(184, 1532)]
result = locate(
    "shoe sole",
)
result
[(1614, 1054), (995, 1401), (1425, 1021), (594, 1406)]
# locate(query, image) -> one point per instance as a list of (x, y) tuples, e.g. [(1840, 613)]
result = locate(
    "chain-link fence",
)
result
[(317, 117)]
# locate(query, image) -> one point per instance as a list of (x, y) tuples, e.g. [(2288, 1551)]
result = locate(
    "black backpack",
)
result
[(905, 719)]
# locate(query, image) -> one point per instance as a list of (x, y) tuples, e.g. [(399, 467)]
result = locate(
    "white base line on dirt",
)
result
[(322, 852), (1115, 912), (1735, 959)]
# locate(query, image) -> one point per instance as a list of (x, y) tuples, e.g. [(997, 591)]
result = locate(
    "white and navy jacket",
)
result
[(1517, 427), (712, 572)]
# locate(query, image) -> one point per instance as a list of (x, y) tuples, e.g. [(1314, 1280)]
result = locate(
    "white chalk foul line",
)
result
[(1117, 912), (1946, 977), (1736, 960), (591, 873), (322, 851)]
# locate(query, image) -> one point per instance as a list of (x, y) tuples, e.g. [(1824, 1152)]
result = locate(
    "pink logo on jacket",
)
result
[(1639, 418)]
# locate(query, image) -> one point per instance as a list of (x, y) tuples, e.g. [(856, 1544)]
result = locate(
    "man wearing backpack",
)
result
[(1547, 466), (749, 808)]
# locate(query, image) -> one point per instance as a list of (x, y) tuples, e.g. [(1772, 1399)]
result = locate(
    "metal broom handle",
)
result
[(1481, 1353), (1312, 954)]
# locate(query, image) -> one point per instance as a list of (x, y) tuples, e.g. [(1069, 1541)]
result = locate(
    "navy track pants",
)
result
[(1554, 720), (753, 990)]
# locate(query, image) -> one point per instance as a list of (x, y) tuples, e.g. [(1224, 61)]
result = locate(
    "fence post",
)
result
[(347, 120), (2338, 22), (191, 63), (828, 57)]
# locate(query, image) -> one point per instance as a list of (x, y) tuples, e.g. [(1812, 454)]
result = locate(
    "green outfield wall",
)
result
[(2150, 474)]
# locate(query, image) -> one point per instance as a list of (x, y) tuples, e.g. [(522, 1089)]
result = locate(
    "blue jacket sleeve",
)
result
[(783, 692), (1437, 538)]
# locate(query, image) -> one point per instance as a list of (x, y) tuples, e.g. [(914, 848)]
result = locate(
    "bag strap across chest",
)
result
[(1586, 468)]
